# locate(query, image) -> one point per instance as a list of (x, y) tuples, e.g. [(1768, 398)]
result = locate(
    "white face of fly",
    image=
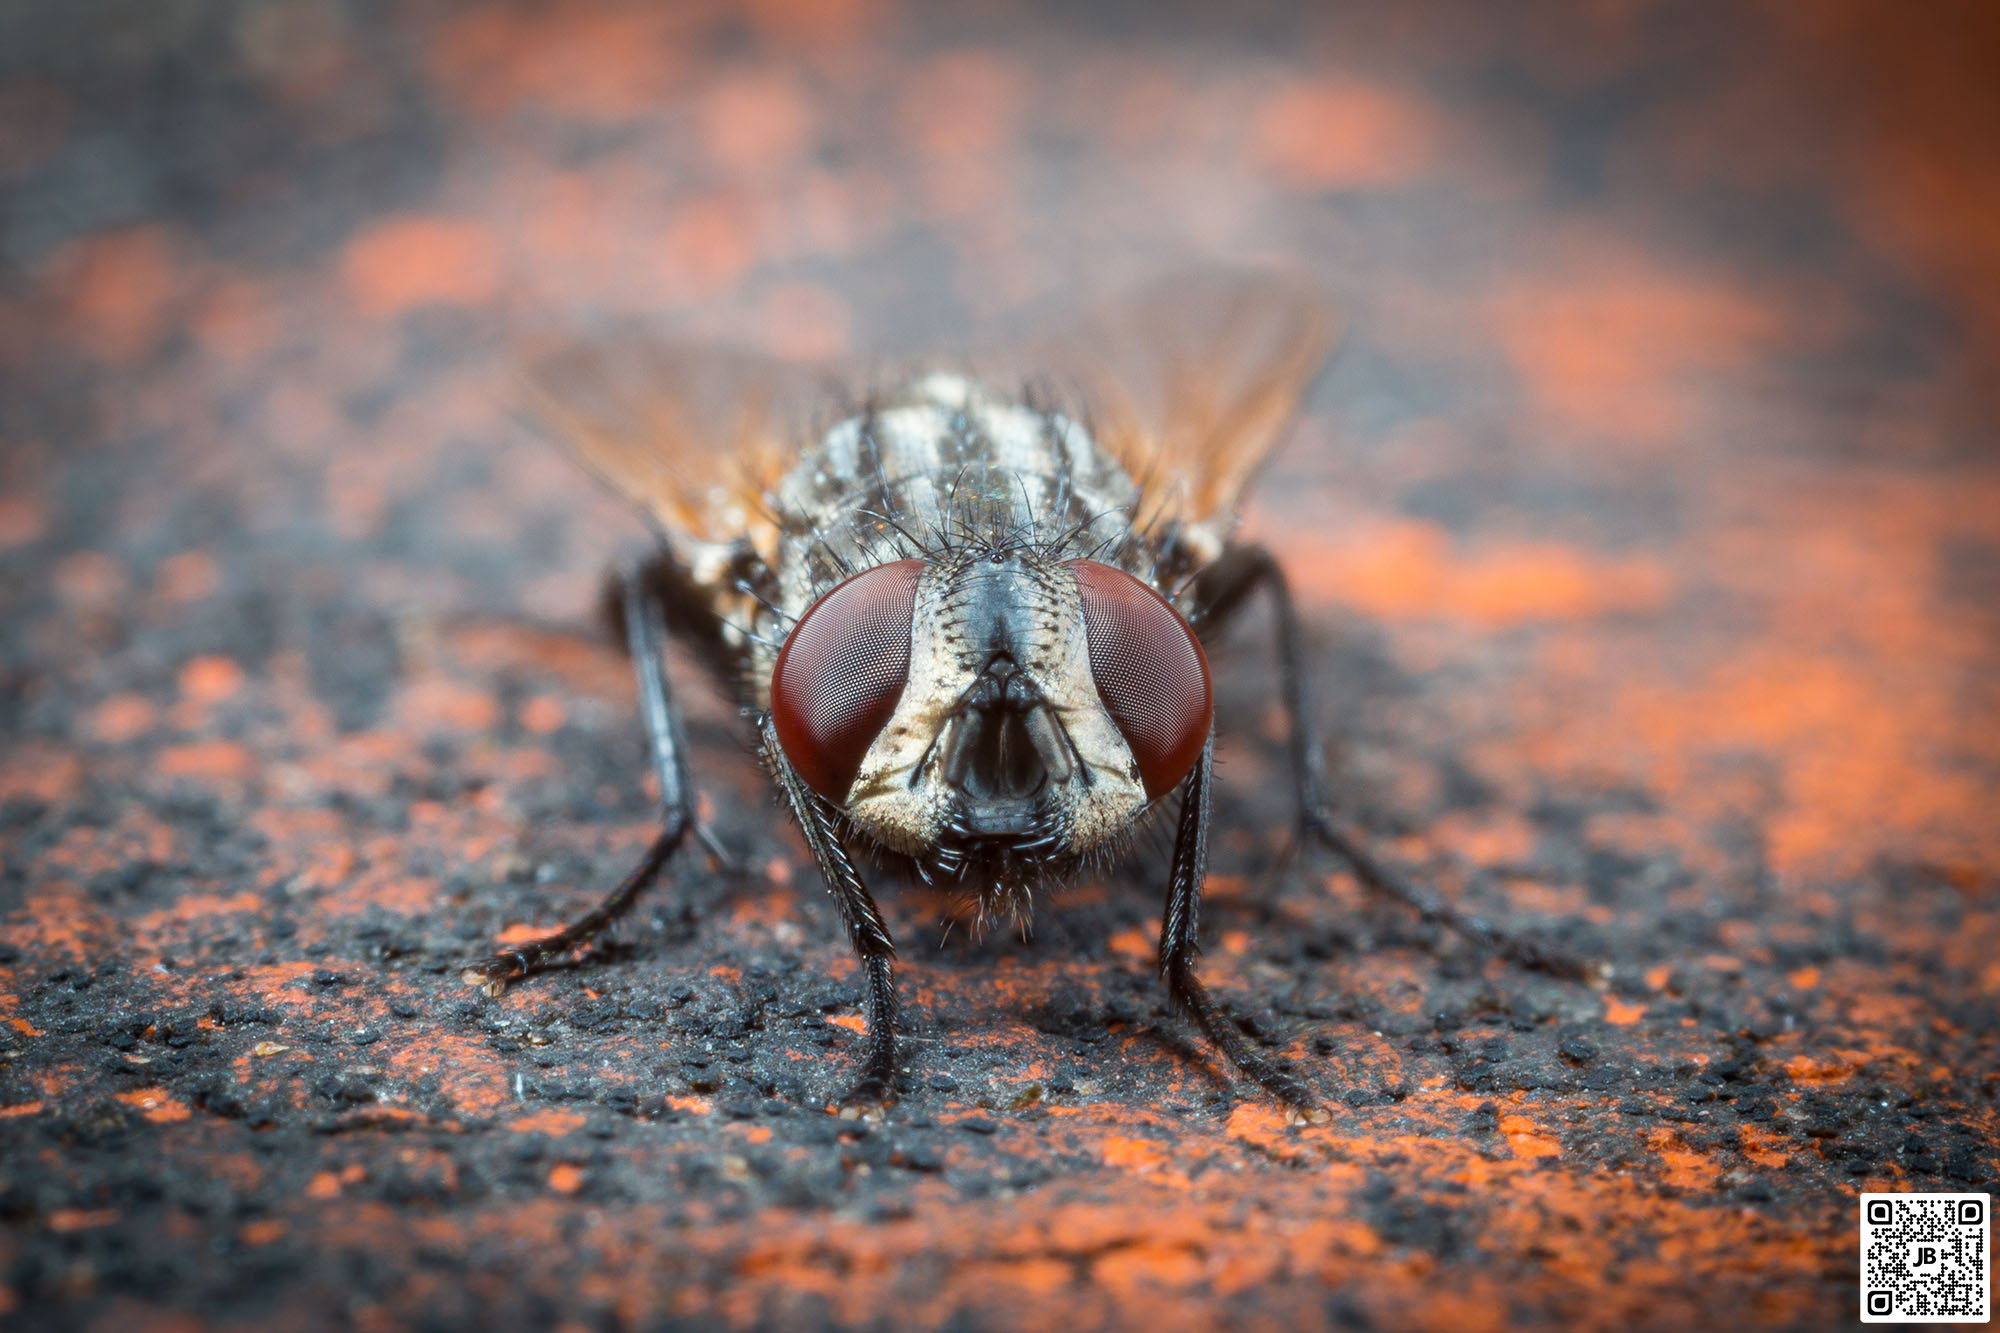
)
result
[(1000, 735)]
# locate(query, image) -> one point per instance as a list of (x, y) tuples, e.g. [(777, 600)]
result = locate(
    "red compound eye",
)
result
[(1150, 673), (840, 673)]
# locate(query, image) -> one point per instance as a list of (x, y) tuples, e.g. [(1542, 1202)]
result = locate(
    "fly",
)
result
[(968, 621)]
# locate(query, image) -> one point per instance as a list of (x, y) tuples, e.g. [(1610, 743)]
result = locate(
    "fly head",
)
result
[(998, 715)]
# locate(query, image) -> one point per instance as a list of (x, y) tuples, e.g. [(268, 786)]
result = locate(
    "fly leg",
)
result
[(876, 1088), (1178, 946), (1218, 592), (646, 635)]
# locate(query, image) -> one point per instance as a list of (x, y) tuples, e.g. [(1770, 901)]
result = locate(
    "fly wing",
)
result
[(695, 437), (1191, 382)]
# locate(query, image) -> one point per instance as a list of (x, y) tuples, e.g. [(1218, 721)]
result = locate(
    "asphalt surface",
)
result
[(1647, 530)]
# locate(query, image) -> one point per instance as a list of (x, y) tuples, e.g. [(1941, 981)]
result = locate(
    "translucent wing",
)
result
[(1192, 381), (695, 437)]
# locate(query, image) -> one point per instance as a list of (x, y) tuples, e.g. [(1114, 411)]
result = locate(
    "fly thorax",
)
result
[(1000, 749)]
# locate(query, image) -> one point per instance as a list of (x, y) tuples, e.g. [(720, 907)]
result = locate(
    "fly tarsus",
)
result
[(1193, 999), (870, 1096), (1523, 950), (494, 974)]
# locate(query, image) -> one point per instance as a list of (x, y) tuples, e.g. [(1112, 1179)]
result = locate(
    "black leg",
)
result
[(876, 1087), (646, 637), (1178, 947), (1218, 592)]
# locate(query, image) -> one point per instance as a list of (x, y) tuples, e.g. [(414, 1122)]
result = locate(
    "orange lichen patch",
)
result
[(237, 320), (123, 718), (1610, 346), (962, 103), (568, 229), (1315, 136), (264, 1231), (1915, 169), (603, 64), (773, 909), (214, 761), (1132, 1154), (272, 980), (398, 1118), (20, 1109), (156, 1104), (553, 1123), (709, 244), (210, 679), (565, 1178), (544, 714), (58, 918), (1856, 757), (1487, 837), (1764, 1147), (469, 1074), (1816, 1071), (1408, 569), (23, 519), (1528, 1138), (803, 321), (956, 111), (35, 772), (187, 577), (385, 890), (407, 262), (1621, 1013), (1133, 944), (323, 1185), (854, 1023), (66, 1220), (438, 703), (327, 868), (1009, 1278), (91, 579), (195, 907), (1261, 1126), (116, 291), (755, 124), (1133, 1267), (585, 664), (1681, 1166)]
